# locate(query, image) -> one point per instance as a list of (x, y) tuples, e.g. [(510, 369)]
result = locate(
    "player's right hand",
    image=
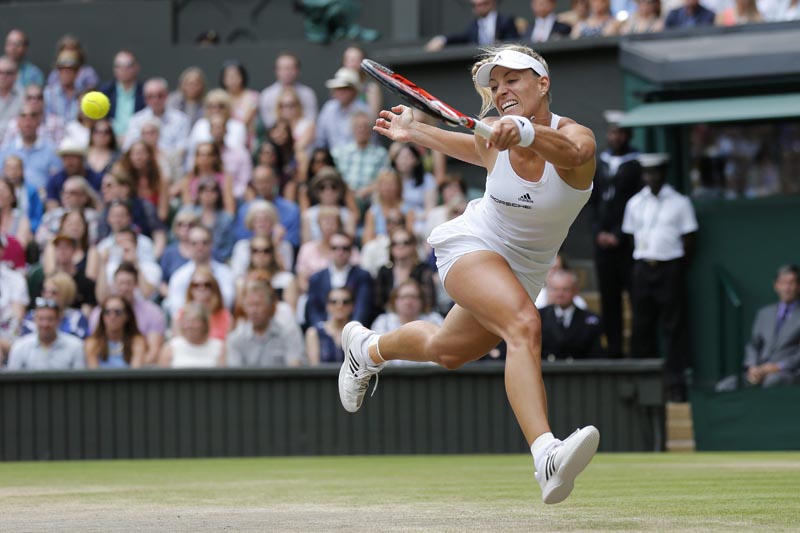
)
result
[(396, 124)]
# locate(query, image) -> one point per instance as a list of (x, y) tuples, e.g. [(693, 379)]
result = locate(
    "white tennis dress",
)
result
[(525, 222)]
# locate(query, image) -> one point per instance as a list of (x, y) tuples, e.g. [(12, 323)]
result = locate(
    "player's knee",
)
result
[(523, 329)]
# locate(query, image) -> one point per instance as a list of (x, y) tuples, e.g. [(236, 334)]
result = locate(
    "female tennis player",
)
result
[(493, 259)]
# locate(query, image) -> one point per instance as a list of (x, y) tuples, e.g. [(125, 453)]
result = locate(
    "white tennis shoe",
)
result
[(564, 461), (357, 368)]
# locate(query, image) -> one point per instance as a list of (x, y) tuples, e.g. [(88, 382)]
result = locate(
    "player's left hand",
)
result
[(506, 135)]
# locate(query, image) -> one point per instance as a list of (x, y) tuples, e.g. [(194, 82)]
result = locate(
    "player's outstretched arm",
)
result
[(398, 124), (571, 149)]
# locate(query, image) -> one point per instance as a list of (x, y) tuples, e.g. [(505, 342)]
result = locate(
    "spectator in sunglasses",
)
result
[(117, 342), (324, 339)]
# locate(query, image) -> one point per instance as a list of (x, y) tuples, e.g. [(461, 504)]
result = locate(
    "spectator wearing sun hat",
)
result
[(62, 99), (73, 159), (334, 124)]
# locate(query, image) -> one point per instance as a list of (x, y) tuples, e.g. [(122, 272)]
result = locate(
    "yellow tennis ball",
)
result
[(95, 105)]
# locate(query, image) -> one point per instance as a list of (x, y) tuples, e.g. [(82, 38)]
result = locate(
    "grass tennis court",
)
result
[(657, 492)]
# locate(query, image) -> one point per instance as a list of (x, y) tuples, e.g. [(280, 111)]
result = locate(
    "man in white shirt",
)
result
[(47, 348), (545, 26), (265, 337), (663, 224), (174, 124), (201, 241), (287, 71)]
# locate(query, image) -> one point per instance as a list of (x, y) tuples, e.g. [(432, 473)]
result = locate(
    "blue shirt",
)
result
[(681, 18), (29, 74), (65, 353), (171, 260), (39, 161), (58, 103), (56, 183), (126, 107), (74, 323)]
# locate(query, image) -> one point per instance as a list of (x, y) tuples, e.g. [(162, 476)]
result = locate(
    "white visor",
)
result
[(509, 59)]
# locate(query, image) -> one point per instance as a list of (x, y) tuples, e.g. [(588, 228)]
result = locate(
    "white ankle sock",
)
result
[(539, 446), (371, 340)]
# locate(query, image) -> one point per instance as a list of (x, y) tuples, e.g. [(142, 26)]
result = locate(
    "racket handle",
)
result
[(483, 129)]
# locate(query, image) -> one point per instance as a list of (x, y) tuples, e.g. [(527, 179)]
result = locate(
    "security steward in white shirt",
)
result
[(663, 225)]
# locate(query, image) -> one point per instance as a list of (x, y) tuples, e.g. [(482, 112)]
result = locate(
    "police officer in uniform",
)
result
[(663, 224), (617, 179)]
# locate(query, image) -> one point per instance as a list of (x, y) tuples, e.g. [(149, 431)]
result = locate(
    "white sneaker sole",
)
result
[(347, 333), (583, 446)]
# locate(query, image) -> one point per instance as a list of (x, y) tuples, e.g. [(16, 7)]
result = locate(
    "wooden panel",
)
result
[(91, 415)]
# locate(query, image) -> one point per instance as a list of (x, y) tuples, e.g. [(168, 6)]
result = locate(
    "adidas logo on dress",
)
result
[(525, 198)]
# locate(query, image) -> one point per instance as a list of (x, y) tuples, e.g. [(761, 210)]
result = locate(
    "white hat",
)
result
[(345, 77), (653, 160), (509, 59), (613, 116), (70, 146)]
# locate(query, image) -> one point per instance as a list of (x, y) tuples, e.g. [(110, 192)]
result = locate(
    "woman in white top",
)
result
[(493, 259), (194, 348)]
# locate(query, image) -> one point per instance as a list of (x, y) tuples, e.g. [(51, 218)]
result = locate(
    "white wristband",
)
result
[(525, 128)]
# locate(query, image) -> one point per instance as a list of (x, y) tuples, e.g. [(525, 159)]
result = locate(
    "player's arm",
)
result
[(398, 124), (571, 148)]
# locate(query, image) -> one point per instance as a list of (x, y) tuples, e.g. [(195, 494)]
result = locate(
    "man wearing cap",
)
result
[(73, 159), (62, 99), (486, 28), (11, 96), (617, 178), (16, 47), (47, 348), (334, 127), (663, 224), (287, 72), (38, 156), (13, 301)]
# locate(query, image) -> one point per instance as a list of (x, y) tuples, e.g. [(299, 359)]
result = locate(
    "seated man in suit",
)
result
[(545, 26), (568, 331), (340, 274), (772, 356), (488, 27)]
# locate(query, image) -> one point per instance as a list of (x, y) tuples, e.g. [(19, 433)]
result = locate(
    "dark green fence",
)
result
[(163, 413), (752, 418)]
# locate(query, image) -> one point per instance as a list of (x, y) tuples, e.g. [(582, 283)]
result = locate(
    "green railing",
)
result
[(731, 338)]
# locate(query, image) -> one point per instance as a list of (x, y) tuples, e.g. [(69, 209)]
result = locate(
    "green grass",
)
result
[(657, 492)]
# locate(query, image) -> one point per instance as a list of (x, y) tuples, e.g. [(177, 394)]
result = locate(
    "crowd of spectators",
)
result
[(208, 225), (226, 226), (594, 18)]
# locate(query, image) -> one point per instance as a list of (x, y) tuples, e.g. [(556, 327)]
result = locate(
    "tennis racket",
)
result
[(421, 99)]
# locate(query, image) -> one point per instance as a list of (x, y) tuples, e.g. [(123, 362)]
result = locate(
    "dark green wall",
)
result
[(750, 239), (212, 413), (750, 419)]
